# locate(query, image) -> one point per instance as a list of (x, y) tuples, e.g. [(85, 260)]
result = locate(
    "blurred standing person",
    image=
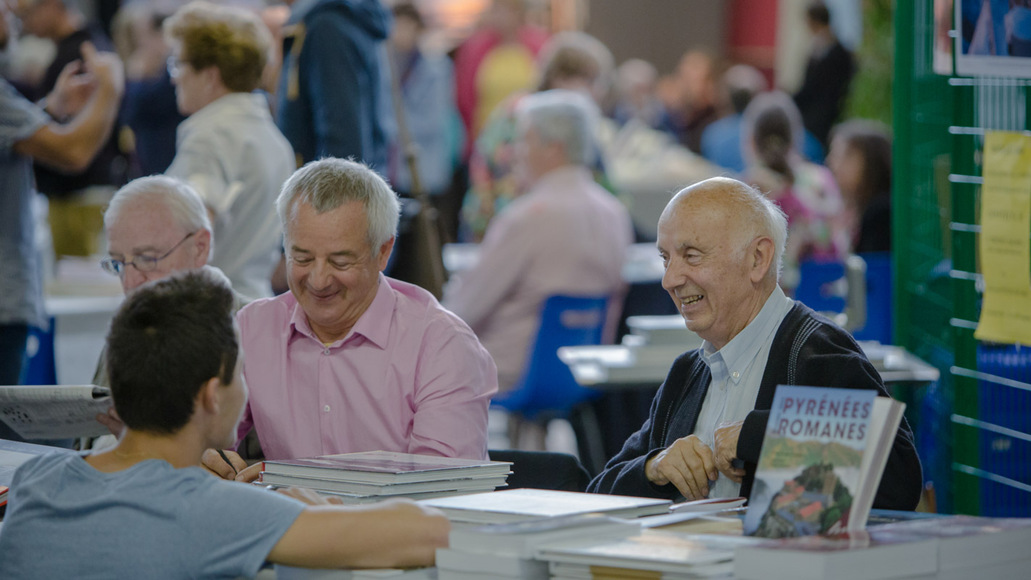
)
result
[(721, 141), (332, 99), (77, 198), (229, 149), (427, 88), (636, 82), (571, 60), (696, 79), (827, 75), (860, 159), (497, 61), (29, 132), (149, 107), (806, 192)]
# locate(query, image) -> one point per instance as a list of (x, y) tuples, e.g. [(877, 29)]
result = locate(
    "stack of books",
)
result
[(947, 548), (376, 475), (496, 535), (523, 505), (291, 573), (655, 554), (506, 551)]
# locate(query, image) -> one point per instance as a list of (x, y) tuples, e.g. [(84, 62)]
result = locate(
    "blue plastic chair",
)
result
[(878, 298), (547, 389), (817, 285)]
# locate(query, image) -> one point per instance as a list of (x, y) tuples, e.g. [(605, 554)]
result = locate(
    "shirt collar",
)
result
[(374, 324), (743, 348)]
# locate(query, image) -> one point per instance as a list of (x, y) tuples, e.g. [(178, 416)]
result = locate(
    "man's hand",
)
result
[(687, 464), (725, 443), (105, 67), (112, 421), (227, 468), (250, 474), (72, 90)]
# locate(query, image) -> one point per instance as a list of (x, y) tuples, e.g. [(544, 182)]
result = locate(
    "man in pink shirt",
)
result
[(566, 235), (350, 360)]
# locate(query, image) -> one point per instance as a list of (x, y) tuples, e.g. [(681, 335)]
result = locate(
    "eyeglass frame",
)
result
[(118, 267)]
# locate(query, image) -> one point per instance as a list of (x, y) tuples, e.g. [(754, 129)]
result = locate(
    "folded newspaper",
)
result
[(54, 411)]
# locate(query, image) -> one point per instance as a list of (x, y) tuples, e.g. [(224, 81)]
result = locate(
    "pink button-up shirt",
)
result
[(409, 377), (567, 235)]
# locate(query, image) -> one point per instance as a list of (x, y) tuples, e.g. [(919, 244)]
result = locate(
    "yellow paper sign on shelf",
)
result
[(1005, 240)]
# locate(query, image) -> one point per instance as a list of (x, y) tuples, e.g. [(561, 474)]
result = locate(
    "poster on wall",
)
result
[(993, 38), (1004, 249)]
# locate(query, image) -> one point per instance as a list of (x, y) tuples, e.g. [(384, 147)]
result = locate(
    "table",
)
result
[(640, 364)]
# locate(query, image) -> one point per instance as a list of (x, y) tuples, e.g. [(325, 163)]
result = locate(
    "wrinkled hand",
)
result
[(309, 496), (214, 463), (725, 443), (687, 464), (106, 67), (73, 89), (112, 421)]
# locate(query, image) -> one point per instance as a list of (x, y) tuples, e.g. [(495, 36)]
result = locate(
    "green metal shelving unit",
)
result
[(939, 125)]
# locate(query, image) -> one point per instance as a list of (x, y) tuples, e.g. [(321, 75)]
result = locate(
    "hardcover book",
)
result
[(520, 505), (386, 468), (821, 462), (856, 555)]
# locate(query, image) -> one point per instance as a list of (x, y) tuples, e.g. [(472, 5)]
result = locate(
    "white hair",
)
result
[(181, 200), (565, 117), (329, 183)]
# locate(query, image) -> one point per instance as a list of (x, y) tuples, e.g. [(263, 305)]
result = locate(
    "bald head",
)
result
[(721, 242), (745, 211)]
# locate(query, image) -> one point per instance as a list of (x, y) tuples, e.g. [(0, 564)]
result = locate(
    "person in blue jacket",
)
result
[(333, 98)]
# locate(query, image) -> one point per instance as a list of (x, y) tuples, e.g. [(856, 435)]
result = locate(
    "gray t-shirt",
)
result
[(21, 297), (65, 519)]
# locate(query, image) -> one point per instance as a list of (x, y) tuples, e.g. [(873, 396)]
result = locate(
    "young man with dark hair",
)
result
[(175, 363)]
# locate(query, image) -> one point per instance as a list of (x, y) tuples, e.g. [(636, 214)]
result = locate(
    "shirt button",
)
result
[(326, 408), (325, 351), (735, 374)]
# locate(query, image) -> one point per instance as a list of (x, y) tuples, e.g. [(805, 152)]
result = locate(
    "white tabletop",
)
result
[(630, 366)]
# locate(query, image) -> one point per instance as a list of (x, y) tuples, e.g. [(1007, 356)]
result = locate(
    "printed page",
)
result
[(1004, 244), (54, 411)]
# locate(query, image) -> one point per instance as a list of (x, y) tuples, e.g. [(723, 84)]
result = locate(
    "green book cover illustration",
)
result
[(809, 467)]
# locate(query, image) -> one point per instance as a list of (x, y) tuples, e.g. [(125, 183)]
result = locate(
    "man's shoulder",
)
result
[(418, 307), (812, 340), (270, 312)]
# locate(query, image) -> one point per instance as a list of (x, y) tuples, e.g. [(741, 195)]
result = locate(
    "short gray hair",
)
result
[(757, 209), (184, 203), (565, 117), (329, 183)]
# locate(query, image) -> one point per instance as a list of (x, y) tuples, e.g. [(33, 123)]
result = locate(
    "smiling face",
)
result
[(333, 271), (716, 267)]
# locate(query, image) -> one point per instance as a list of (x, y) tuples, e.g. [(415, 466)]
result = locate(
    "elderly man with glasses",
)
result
[(155, 226)]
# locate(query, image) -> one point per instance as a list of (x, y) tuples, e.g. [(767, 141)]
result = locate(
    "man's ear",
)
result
[(209, 399), (762, 254), (203, 247), (384, 253)]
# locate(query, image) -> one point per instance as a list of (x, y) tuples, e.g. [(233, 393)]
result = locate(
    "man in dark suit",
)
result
[(827, 76)]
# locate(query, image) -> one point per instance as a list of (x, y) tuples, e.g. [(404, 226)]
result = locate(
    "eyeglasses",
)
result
[(141, 263)]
